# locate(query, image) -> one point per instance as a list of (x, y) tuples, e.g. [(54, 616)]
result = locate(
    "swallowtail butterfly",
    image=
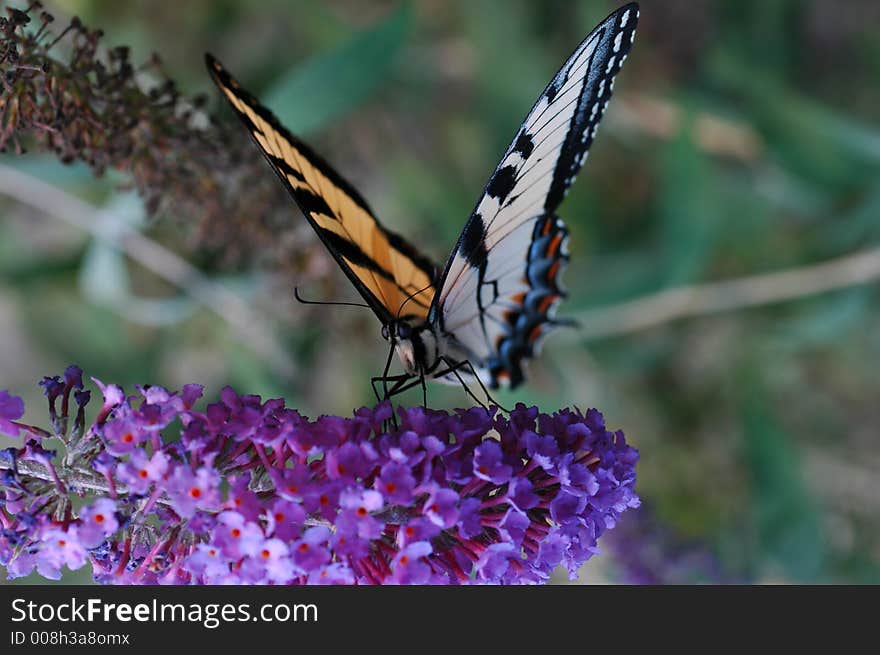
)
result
[(487, 311)]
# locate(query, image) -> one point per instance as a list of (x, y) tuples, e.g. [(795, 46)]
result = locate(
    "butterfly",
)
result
[(486, 313)]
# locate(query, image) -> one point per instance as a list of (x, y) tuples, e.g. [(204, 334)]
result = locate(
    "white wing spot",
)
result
[(610, 64), (624, 19), (632, 36), (515, 159), (617, 41), (488, 207), (601, 88)]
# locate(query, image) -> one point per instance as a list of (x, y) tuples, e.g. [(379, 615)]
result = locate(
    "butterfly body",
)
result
[(416, 345), (424, 352), (487, 312)]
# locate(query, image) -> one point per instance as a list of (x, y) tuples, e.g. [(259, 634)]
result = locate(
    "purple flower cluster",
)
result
[(251, 492)]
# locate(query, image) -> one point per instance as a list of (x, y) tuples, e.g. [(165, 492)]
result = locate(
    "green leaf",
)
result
[(824, 147), (857, 226), (785, 517), (826, 320), (689, 218), (331, 84)]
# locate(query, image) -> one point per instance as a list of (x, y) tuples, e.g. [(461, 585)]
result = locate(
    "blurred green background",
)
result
[(743, 141)]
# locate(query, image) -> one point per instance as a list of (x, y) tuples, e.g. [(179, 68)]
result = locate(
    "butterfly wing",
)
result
[(387, 271), (500, 288)]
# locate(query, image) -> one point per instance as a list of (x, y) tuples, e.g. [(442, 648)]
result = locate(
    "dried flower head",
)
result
[(65, 93)]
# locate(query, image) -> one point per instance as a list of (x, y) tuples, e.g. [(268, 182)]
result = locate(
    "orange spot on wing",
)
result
[(553, 270), (535, 333), (553, 248), (545, 304)]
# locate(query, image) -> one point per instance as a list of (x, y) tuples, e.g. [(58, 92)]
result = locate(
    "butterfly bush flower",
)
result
[(11, 409), (157, 491)]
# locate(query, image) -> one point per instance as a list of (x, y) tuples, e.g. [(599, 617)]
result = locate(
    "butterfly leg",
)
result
[(398, 385), (489, 396), (373, 381), (404, 382), (396, 388), (453, 368), (385, 375)]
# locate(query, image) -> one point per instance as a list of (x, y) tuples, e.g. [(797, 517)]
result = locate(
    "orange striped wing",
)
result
[(391, 275)]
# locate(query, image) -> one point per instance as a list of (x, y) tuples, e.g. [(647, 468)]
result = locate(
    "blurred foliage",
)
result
[(306, 102), (743, 138)]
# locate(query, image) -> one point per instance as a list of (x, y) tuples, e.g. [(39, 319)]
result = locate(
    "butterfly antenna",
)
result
[(410, 297), (303, 301)]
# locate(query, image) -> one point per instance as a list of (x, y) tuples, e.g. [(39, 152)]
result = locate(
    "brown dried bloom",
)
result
[(65, 93)]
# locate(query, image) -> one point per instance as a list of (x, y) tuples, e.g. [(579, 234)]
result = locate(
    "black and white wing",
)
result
[(500, 288)]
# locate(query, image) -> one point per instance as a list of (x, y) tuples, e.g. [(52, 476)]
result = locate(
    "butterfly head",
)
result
[(397, 331), (416, 345)]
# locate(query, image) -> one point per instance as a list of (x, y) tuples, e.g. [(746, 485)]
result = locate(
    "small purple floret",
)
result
[(11, 409)]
